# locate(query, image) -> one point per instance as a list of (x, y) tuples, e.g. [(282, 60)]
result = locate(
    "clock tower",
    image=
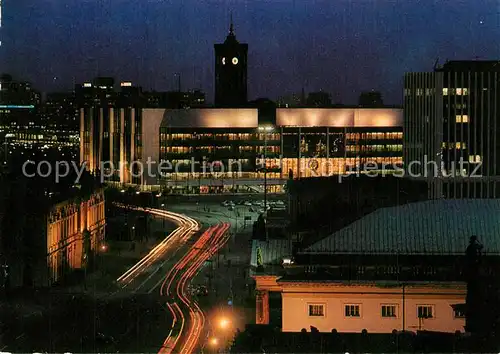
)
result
[(231, 71)]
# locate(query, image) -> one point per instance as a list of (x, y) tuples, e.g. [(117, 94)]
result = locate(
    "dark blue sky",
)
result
[(340, 46)]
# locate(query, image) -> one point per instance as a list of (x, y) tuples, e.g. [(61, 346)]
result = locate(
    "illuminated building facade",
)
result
[(400, 268), (48, 241), (232, 149), (451, 116), (75, 233), (305, 142)]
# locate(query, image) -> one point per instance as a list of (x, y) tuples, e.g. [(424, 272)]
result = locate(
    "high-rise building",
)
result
[(110, 126), (231, 71), (452, 129)]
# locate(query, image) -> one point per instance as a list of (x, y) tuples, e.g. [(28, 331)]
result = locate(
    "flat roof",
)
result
[(339, 117), (436, 227), (207, 117)]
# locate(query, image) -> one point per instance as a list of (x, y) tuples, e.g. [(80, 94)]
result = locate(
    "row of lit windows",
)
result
[(462, 118), (221, 175), (276, 136), (474, 158), (456, 145), (224, 136), (386, 311), (176, 149), (360, 148), (430, 91), (209, 149), (380, 135), (455, 91)]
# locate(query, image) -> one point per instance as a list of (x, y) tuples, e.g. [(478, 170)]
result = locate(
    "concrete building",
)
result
[(302, 143), (451, 129), (398, 268)]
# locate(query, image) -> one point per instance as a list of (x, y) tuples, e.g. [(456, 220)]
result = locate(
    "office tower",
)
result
[(231, 71), (452, 128), (110, 126)]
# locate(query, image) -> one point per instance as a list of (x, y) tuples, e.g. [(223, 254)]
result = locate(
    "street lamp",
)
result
[(266, 130), (214, 342), (224, 323)]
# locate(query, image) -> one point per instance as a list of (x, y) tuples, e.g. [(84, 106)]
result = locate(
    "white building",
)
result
[(395, 269)]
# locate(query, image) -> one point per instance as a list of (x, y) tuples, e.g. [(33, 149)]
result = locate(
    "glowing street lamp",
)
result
[(214, 342), (224, 323)]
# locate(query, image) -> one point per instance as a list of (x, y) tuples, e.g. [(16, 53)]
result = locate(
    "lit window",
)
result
[(462, 118), (316, 310), (389, 311), (458, 312), (445, 91), (458, 92), (352, 311), (474, 158), (459, 145), (420, 92), (426, 311)]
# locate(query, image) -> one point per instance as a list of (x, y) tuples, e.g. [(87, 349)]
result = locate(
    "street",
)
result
[(189, 319), (148, 308)]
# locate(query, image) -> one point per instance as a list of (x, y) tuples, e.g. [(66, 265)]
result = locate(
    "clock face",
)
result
[(235, 61), (224, 61)]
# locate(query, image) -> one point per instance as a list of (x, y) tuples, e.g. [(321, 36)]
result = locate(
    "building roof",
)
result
[(440, 227), (209, 117), (339, 117)]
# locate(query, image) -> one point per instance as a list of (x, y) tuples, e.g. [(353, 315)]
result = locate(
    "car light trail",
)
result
[(209, 243), (187, 227)]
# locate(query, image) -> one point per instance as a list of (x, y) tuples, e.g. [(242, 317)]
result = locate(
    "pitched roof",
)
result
[(433, 227)]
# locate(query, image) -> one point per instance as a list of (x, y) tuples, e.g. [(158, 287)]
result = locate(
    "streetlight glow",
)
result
[(214, 341), (224, 323)]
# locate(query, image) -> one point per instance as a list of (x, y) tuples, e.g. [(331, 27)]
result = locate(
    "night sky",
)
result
[(340, 46)]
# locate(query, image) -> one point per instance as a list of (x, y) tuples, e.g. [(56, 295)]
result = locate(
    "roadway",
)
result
[(189, 319), (170, 267), (143, 278), (147, 275)]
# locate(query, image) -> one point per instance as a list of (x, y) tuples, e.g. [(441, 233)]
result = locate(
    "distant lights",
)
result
[(126, 84), (16, 107)]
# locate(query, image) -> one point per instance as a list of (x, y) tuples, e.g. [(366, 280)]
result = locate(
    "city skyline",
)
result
[(342, 48)]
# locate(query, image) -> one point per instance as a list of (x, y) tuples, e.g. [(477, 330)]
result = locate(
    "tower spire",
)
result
[(231, 26)]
